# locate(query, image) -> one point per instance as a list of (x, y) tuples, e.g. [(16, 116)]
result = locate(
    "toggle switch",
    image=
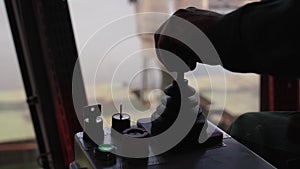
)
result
[(120, 121)]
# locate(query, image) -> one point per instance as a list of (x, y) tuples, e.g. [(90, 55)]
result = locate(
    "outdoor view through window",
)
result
[(124, 70), (17, 137), (124, 76)]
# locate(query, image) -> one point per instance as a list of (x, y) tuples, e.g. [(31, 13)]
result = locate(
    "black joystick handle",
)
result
[(179, 97)]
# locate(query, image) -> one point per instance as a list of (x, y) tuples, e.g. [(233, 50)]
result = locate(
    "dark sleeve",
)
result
[(261, 37)]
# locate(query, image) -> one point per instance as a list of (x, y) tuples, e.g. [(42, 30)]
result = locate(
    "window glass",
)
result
[(18, 148), (115, 69)]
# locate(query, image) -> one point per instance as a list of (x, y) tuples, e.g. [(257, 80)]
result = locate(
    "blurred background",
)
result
[(18, 148)]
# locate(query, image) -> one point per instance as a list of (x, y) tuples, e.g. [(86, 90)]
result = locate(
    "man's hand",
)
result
[(202, 19)]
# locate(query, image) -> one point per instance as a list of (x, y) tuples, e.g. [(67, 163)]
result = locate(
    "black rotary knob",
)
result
[(136, 132), (135, 145)]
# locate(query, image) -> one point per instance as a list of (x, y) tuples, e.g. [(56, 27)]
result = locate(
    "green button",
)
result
[(105, 148)]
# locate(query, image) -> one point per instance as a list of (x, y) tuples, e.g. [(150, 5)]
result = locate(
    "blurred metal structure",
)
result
[(46, 49), (279, 94)]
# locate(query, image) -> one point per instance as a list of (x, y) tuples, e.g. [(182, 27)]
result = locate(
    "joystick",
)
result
[(179, 97)]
